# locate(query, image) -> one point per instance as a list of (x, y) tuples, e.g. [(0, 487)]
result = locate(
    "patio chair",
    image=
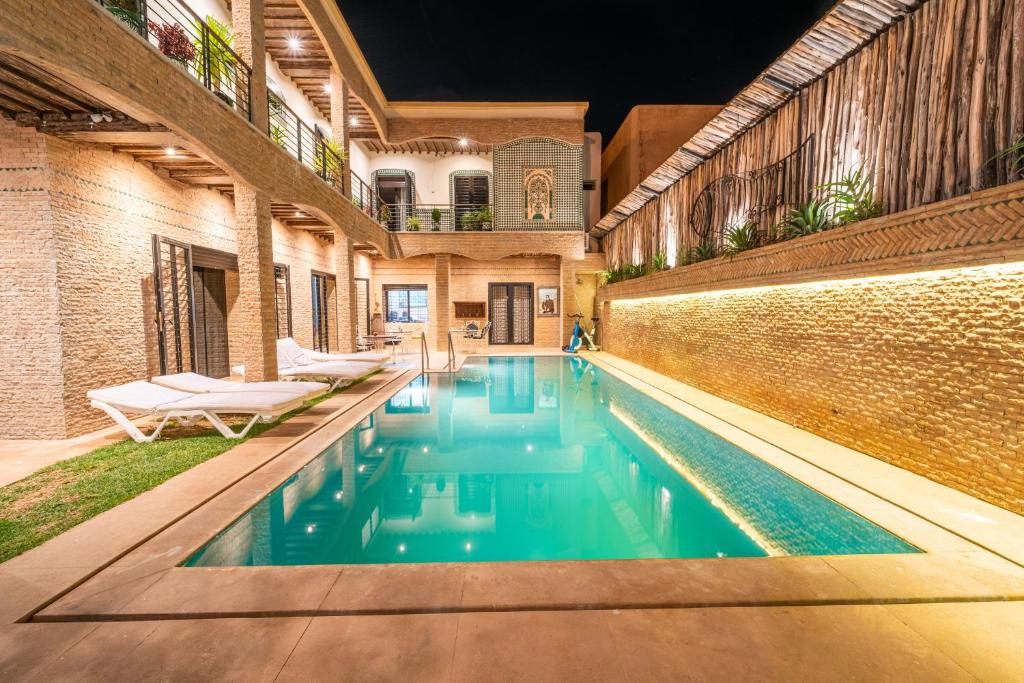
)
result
[(477, 335), (146, 398), (195, 383)]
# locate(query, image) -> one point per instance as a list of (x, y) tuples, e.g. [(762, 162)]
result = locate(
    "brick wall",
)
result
[(30, 345), (921, 368), (468, 282), (91, 225)]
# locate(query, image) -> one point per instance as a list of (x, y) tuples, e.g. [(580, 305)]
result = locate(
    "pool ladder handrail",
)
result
[(424, 353)]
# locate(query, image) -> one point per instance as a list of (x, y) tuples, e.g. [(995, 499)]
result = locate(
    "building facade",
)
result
[(246, 179)]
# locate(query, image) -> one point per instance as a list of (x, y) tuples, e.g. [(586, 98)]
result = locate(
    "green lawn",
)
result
[(67, 493)]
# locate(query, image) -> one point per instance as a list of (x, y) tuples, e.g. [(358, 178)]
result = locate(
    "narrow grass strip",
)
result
[(65, 494)]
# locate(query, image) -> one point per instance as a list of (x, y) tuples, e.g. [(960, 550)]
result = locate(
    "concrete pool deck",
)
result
[(952, 611)]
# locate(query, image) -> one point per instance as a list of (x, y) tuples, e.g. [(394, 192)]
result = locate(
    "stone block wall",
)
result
[(902, 337), (84, 316)]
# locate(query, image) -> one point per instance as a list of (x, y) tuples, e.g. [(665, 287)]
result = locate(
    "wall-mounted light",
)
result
[(463, 142)]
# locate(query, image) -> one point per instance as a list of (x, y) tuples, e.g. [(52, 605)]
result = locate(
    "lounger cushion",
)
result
[(138, 397), (360, 357), (200, 384), (334, 370), (242, 402), (290, 354)]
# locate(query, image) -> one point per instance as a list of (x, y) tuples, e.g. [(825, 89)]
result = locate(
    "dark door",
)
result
[(211, 320), (321, 312), (283, 300), (511, 311), (396, 191), (172, 287), (471, 192)]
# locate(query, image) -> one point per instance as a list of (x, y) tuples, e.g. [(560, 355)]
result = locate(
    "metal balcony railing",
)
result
[(201, 48), (365, 198), (438, 217), (308, 145)]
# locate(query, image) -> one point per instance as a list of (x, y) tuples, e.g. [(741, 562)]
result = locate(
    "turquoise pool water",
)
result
[(535, 458)]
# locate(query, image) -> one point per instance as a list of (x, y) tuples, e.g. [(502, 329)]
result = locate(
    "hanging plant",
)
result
[(173, 42)]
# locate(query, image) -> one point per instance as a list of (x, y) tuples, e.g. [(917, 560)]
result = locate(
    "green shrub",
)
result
[(851, 198), (741, 238), (810, 218)]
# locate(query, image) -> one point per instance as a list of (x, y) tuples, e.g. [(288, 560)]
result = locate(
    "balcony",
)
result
[(201, 48), (437, 217)]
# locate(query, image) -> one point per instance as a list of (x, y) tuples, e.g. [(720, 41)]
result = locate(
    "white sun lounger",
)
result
[(194, 383), (146, 398), (337, 373), (289, 349)]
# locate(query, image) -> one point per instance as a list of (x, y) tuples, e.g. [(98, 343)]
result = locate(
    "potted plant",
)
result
[(328, 161), (129, 12), (384, 215), (221, 59), (173, 42), (435, 218), (469, 220), (485, 217), (412, 223)]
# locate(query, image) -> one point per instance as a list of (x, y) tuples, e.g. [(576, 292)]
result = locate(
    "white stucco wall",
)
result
[(431, 171)]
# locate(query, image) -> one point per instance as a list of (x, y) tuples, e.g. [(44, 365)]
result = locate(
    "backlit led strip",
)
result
[(706, 490)]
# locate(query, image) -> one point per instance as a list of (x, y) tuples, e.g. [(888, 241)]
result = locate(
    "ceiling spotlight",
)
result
[(294, 44), (298, 214), (327, 88), (463, 142), (353, 121), (171, 151)]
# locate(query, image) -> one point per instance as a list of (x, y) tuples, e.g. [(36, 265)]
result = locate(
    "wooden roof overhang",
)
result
[(846, 28)]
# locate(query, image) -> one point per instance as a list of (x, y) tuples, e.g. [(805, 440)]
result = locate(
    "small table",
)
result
[(379, 341)]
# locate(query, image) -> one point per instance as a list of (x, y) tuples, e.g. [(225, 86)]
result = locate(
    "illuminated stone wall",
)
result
[(76, 268), (924, 370)]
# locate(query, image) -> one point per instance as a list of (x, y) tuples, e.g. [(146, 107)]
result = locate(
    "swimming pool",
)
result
[(535, 458)]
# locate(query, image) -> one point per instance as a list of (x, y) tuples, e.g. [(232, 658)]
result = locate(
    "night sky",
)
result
[(612, 54)]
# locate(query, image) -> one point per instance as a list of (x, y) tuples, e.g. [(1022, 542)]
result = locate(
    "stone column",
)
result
[(257, 323), (568, 299), (442, 301), (344, 271), (249, 43), (340, 125)]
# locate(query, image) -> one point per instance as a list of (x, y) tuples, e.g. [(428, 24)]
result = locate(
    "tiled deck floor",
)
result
[(106, 602)]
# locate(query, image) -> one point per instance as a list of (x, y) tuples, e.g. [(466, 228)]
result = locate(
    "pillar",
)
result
[(257, 318), (344, 272), (442, 299), (340, 125), (249, 43), (568, 303)]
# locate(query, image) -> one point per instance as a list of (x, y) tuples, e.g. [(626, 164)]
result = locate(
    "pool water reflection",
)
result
[(535, 458)]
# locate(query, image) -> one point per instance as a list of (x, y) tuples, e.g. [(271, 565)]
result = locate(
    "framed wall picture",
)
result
[(547, 301)]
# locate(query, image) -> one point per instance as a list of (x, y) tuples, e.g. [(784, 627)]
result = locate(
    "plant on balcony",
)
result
[(172, 40), (741, 238), (277, 134), (384, 215), (810, 218), (851, 198), (221, 59), (412, 223), (485, 217), (435, 219), (701, 252), (470, 220), (327, 162), (129, 12)]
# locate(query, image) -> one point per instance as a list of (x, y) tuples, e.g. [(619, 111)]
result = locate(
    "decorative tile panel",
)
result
[(544, 160)]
